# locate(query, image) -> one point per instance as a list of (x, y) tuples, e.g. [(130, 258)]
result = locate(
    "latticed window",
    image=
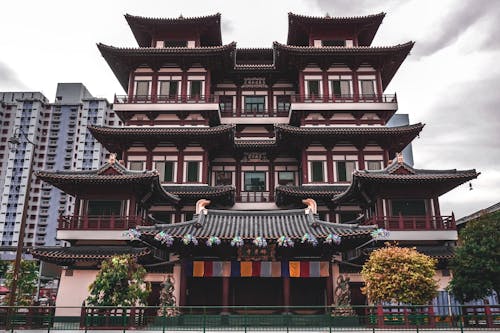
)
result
[(169, 89), (223, 178), (286, 178), (341, 88), (317, 171), (142, 88), (345, 170), (193, 171), (255, 103), (255, 181), (165, 170), (195, 88)]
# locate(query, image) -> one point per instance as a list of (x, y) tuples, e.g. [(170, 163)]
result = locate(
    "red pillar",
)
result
[(180, 164), (238, 101), (238, 178), (149, 160), (154, 87), (225, 294), (271, 180), (355, 86), (329, 164), (386, 158), (182, 286), (361, 159), (207, 87), (326, 92), (302, 90), (329, 286), (437, 210), (184, 85), (304, 166), (286, 293)]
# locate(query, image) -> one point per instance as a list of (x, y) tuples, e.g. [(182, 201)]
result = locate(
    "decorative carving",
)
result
[(201, 206), (254, 82), (251, 252), (112, 158), (312, 206), (167, 298), (343, 298), (255, 157)]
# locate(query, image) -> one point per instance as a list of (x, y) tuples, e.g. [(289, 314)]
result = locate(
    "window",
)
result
[(313, 87), (223, 178), (166, 171), (104, 207), (142, 88), (286, 178), (333, 42), (341, 88), (283, 102), (347, 216), (193, 171), (410, 207), (137, 166), (163, 217), (317, 171), (367, 87), (345, 170), (195, 90), (226, 103), (255, 181), (374, 165), (255, 103), (169, 89)]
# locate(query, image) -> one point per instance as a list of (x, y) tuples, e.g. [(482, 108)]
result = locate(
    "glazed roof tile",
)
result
[(272, 224), (348, 19), (86, 253), (312, 190), (199, 190), (353, 130), (341, 50), (160, 130)]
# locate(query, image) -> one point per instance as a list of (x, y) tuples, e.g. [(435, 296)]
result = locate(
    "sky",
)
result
[(450, 81)]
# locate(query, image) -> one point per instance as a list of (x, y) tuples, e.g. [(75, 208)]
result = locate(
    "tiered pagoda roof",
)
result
[(365, 27), (389, 180), (394, 138), (270, 224), (85, 253), (114, 138), (123, 60), (208, 27), (223, 194), (113, 174), (387, 58), (293, 194)]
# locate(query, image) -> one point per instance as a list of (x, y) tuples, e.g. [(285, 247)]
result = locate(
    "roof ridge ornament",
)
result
[(400, 158), (312, 206), (112, 158), (201, 206)]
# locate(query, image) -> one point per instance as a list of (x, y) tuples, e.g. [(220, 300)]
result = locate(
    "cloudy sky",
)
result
[(451, 80)]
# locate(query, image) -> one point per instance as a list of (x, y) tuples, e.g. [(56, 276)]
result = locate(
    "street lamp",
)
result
[(14, 142)]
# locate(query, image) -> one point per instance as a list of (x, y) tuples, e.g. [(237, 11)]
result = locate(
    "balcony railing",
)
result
[(351, 98), (453, 318), (281, 112), (103, 222), (414, 222), (165, 99), (255, 196)]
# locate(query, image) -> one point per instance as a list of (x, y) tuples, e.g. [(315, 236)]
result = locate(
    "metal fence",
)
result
[(246, 319)]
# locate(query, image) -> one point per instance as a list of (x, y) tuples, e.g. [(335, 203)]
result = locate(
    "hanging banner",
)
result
[(293, 269)]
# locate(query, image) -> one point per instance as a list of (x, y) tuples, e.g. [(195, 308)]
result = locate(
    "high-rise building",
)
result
[(61, 142), (229, 156)]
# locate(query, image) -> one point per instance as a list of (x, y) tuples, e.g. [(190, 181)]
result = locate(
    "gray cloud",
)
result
[(227, 26), (9, 79), (356, 8)]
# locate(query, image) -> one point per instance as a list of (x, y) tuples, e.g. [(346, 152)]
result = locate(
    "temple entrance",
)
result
[(308, 292), (256, 291), (204, 291)]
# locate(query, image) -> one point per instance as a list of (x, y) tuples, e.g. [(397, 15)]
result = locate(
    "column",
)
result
[(180, 164), (182, 285), (355, 85), (302, 90), (149, 160), (184, 85), (286, 293), (271, 180), (225, 295), (207, 87), (326, 91), (238, 100), (329, 286), (361, 159), (334, 274), (329, 164), (154, 86), (238, 176), (304, 167)]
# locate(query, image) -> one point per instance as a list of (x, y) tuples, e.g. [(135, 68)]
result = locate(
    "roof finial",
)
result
[(327, 15), (201, 206), (312, 206), (181, 17), (112, 158), (400, 158)]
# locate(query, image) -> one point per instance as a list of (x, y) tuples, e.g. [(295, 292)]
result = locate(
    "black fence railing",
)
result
[(249, 318)]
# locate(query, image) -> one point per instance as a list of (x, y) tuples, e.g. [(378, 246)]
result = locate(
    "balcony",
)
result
[(385, 102), (109, 222), (165, 99), (260, 196), (414, 223)]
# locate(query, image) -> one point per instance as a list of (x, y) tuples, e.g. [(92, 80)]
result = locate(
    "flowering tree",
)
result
[(396, 274), (120, 282), (476, 265)]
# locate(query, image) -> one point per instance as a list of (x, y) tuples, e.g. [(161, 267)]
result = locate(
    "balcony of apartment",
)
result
[(426, 227), (102, 227), (165, 102), (370, 102)]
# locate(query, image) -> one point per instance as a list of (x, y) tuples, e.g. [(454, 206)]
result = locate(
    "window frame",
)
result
[(258, 104), (312, 177), (187, 171), (246, 187)]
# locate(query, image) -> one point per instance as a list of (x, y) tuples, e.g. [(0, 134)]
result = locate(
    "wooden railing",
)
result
[(104, 222), (255, 196), (165, 99), (351, 98), (414, 222)]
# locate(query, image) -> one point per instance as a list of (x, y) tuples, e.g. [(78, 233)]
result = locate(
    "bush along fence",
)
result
[(241, 318)]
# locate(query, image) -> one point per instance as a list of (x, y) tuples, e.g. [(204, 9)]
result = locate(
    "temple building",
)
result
[(251, 174)]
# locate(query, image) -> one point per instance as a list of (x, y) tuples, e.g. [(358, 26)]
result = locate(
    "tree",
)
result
[(396, 274), (476, 265), (4, 266), (26, 283), (120, 282)]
